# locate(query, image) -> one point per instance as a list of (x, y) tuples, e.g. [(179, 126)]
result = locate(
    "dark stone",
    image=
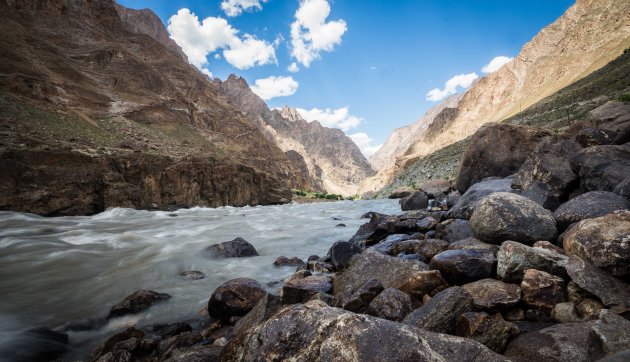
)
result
[(340, 225), (474, 244), (168, 345), (324, 297), (386, 245), (299, 290), (415, 257), (237, 248), (548, 246), (602, 167), (341, 252), (505, 216), (192, 275), (623, 188), (610, 334), (421, 283), (587, 206), (36, 344), (235, 298), (401, 192), (414, 215), (542, 290), (603, 241), (108, 345), (207, 353), (436, 187), (137, 302), (464, 266), (319, 266), (116, 356), (374, 231), (358, 300), (496, 149), (169, 330), (441, 313), (315, 332), (391, 304), (493, 331), (491, 294), (515, 258), (428, 248), (293, 261), (454, 230), (264, 309), (540, 194), (407, 246), (468, 202), (416, 201), (595, 137)]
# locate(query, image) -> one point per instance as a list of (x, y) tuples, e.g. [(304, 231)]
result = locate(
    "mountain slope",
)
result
[(150, 129)]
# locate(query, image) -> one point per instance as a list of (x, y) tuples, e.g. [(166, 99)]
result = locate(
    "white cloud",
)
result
[(364, 142), (272, 87), (451, 86), (311, 34), (293, 68), (495, 64), (236, 7), (336, 118), (207, 73), (199, 39)]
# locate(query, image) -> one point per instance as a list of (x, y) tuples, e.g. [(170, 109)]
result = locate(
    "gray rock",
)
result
[(386, 245), (595, 137), (436, 187), (391, 304), (587, 206), (491, 294), (549, 246), (416, 201), (441, 313), (316, 332), (567, 342), (374, 231), (299, 290), (285, 261), (542, 290), (464, 266), (610, 334), (137, 302), (358, 300), (602, 167), (207, 353), (515, 258), (623, 188), (235, 298), (237, 248), (469, 201), (408, 246), (341, 252), (540, 194), (603, 241), (454, 230), (264, 309), (505, 216)]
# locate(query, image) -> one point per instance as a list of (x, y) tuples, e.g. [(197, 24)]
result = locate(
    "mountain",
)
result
[(95, 113), (588, 36), (334, 162)]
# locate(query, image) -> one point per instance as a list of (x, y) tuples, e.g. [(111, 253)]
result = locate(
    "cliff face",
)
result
[(335, 164), (588, 36), (75, 82)]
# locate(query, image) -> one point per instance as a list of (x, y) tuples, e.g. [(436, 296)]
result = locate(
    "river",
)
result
[(58, 270)]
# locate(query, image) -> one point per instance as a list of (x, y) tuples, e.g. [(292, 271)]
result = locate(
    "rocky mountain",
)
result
[(334, 162), (94, 115), (584, 39)]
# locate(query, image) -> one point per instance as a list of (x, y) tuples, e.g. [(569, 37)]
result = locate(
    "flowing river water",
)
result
[(59, 270)]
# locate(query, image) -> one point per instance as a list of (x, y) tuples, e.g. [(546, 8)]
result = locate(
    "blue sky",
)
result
[(371, 63)]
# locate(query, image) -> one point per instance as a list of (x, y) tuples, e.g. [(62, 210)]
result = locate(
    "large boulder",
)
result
[(603, 241), (602, 167), (454, 230), (421, 283), (266, 307), (374, 265), (416, 201), (468, 202), (315, 332), (550, 164), (441, 313), (301, 287), (429, 248), (505, 216), (401, 192), (137, 302), (610, 334), (341, 252), (566, 342), (436, 187), (496, 149), (464, 266), (374, 231), (235, 297), (542, 290), (237, 248), (515, 258), (492, 331), (391, 304), (492, 294), (358, 300), (587, 206)]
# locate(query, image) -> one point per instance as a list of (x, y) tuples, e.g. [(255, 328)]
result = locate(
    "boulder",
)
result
[(515, 258), (453, 230), (436, 187), (613, 292), (464, 266), (493, 332), (565, 313), (266, 307), (610, 334), (603, 241), (540, 194), (441, 313), (301, 289), (237, 248), (358, 300), (408, 246), (374, 265), (496, 149), (391, 304), (567, 342), (623, 188), (602, 167), (468, 202), (421, 283), (401, 192), (428, 248), (595, 137), (315, 332), (472, 243), (203, 353), (542, 290), (137, 302), (505, 216), (587, 206), (386, 245), (110, 343), (374, 231), (235, 297), (293, 261), (543, 244), (416, 201), (341, 252), (491, 294), (550, 165)]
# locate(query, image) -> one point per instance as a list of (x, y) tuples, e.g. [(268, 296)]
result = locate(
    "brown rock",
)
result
[(137, 302), (493, 294), (358, 300), (293, 261), (589, 308), (299, 290), (266, 307), (391, 304), (567, 342), (235, 298), (542, 290), (514, 258), (549, 246), (428, 248), (405, 246), (421, 283), (436, 187), (472, 243), (493, 332), (565, 313)]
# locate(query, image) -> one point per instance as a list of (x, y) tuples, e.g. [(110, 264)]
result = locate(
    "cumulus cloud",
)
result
[(452, 86), (198, 39), (207, 73), (335, 118), (364, 142), (237, 7), (293, 68), (273, 87), (311, 33), (496, 63)]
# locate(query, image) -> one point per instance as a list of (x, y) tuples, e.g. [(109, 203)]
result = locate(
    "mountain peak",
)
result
[(291, 114)]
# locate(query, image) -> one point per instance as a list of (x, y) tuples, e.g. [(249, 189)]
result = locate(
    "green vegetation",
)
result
[(624, 97), (321, 195)]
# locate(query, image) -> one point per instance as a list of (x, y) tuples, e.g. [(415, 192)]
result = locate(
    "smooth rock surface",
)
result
[(468, 202), (341, 252), (464, 266), (235, 298), (441, 313), (416, 201), (453, 230)]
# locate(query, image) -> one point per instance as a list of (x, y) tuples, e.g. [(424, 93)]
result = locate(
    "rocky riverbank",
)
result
[(526, 257)]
